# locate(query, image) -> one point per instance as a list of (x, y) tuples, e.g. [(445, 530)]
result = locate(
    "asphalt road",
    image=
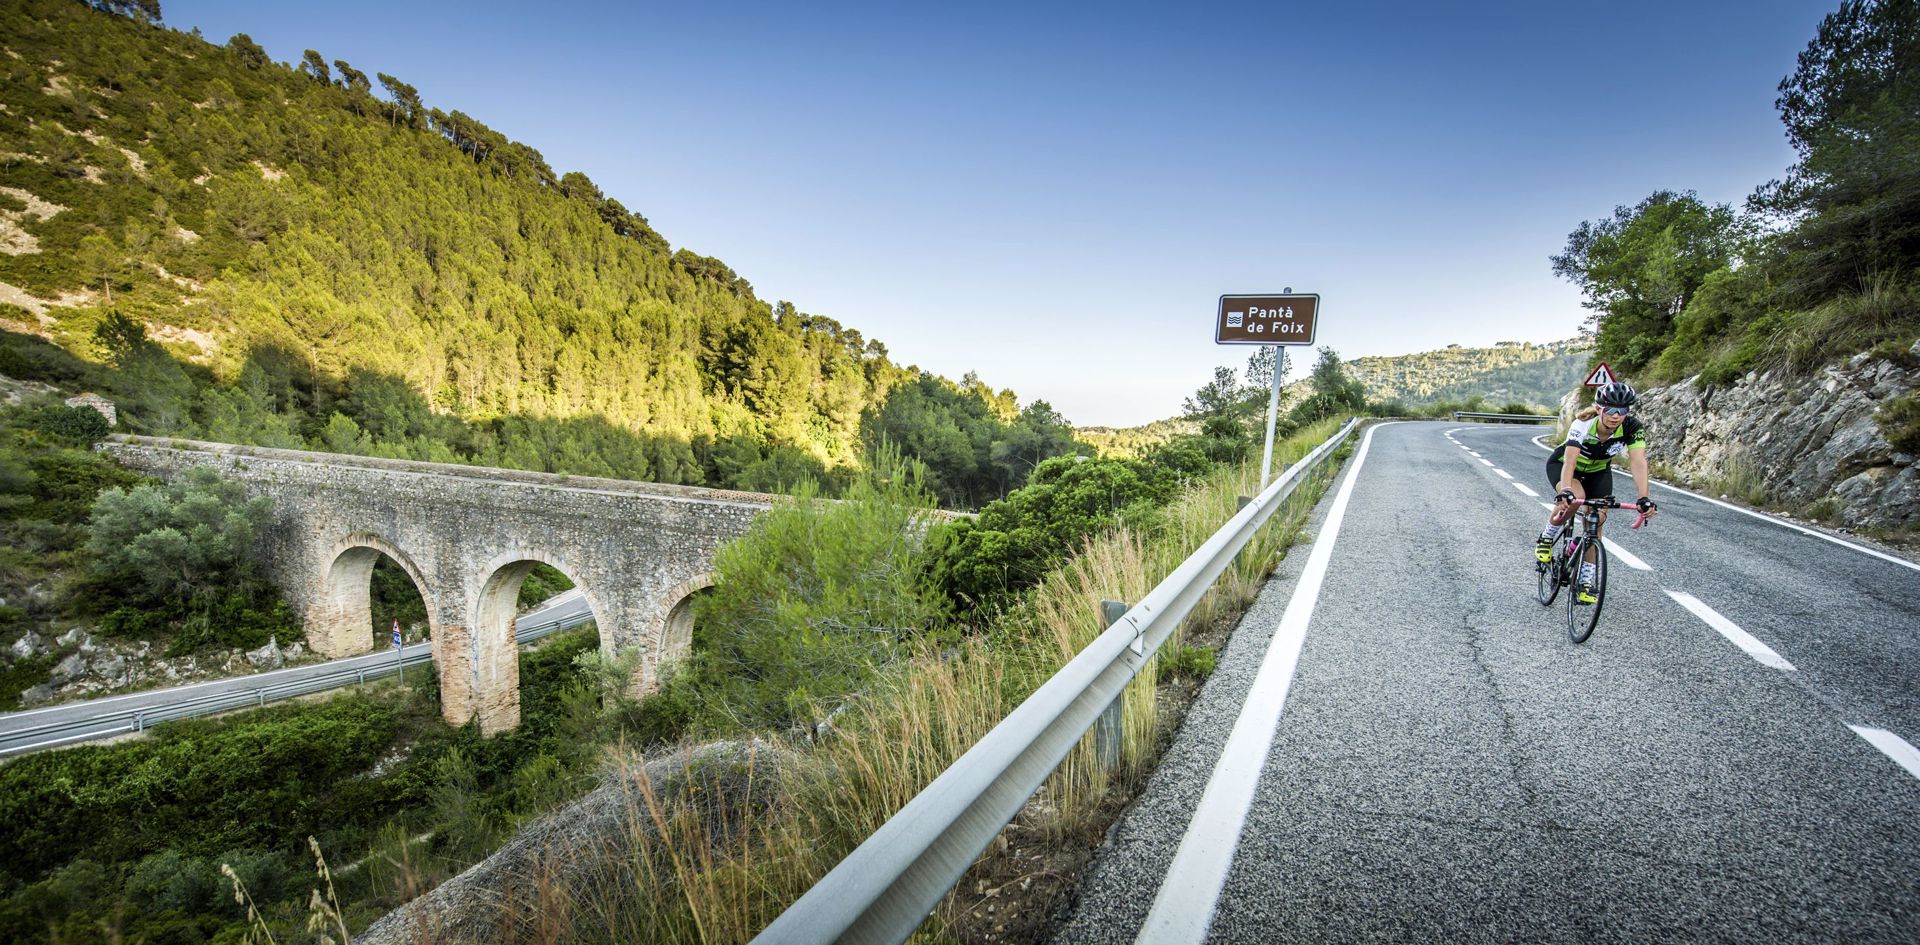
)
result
[(1447, 766), (106, 717)]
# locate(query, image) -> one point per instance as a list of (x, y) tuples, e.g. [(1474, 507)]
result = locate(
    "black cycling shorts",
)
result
[(1597, 484)]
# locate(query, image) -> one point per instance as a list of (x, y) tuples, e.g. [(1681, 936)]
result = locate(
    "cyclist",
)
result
[(1583, 468)]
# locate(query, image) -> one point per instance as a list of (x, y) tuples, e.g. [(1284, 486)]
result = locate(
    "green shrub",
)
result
[(1187, 662), (1899, 421), (81, 425), (13, 363), (170, 880), (135, 623), (22, 675), (1825, 511), (200, 787), (184, 552), (542, 583), (814, 597), (1898, 350)]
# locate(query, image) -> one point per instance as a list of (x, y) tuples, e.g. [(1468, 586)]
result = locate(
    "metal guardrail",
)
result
[(886, 887), (1509, 417), (121, 721)]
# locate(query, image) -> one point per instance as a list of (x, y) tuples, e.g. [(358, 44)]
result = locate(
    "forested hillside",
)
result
[(284, 255), (1511, 371)]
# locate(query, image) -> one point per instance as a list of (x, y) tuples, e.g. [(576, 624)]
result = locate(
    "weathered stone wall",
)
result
[(468, 536), (1808, 438)]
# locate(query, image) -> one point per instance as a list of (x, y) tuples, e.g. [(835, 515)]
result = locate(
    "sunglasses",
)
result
[(1616, 411)]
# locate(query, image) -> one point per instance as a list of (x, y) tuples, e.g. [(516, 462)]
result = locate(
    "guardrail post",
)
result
[(1109, 730)]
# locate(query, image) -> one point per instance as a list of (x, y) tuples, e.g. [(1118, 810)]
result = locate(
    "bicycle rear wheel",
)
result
[(1551, 578), (1582, 619)]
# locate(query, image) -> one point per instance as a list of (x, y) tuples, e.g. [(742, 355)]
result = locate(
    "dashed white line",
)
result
[(1183, 909), (1502, 473), (1625, 555), (1893, 746), (1523, 488), (1484, 460), (1730, 630)]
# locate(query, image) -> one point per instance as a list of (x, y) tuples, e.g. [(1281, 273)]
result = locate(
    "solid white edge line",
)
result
[(1727, 628), (1823, 536), (1183, 910), (1523, 488), (1893, 746), (1624, 555), (1502, 473)]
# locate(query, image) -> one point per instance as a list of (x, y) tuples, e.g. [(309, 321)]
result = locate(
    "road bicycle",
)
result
[(1582, 533)]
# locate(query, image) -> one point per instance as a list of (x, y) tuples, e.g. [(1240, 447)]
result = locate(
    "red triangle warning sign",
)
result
[(1600, 377)]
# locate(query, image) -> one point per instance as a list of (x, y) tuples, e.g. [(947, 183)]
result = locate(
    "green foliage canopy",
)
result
[(815, 598), (1642, 267)]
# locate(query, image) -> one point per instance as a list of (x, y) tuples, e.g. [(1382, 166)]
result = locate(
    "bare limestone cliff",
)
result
[(1810, 440)]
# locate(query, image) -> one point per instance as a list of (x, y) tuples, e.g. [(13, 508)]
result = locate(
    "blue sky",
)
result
[(1055, 196)]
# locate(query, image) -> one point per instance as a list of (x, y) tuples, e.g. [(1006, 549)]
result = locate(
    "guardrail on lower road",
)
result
[(1507, 417), (886, 887), (121, 721)]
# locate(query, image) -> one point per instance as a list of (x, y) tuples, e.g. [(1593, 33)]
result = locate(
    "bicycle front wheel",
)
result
[(1581, 619)]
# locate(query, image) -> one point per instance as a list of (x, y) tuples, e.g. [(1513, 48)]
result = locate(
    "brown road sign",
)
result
[(1267, 319)]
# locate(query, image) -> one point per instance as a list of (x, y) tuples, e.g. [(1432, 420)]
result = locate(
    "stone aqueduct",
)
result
[(469, 536)]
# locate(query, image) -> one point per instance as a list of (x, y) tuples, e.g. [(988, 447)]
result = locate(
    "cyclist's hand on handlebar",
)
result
[(1646, 506), (1565, 495)]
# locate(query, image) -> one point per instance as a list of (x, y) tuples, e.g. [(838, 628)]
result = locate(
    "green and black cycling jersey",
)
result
[(1597, 450)]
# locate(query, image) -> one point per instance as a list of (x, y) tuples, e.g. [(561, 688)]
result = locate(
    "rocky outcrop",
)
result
[(91, 666), (1810, 440)]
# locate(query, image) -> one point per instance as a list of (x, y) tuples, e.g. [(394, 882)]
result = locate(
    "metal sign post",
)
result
[(1273, 321), (1273, 413)]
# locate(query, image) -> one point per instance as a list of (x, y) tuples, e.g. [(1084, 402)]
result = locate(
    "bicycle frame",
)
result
[(1581, 542)]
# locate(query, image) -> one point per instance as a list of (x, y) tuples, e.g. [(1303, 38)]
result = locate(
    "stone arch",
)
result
[(496, 651), (338, 624), (675, 632)]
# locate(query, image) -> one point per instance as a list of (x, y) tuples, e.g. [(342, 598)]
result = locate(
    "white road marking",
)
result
[(1502, 473), (1183, 909), (1895, 747), (1523, 488), (1802, 530), (1823, 536), (1484, 460), (1625, 555), (1473, 453), (1730, 630)]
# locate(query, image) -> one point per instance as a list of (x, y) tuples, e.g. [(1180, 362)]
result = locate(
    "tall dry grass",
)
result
[(715, 859)]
